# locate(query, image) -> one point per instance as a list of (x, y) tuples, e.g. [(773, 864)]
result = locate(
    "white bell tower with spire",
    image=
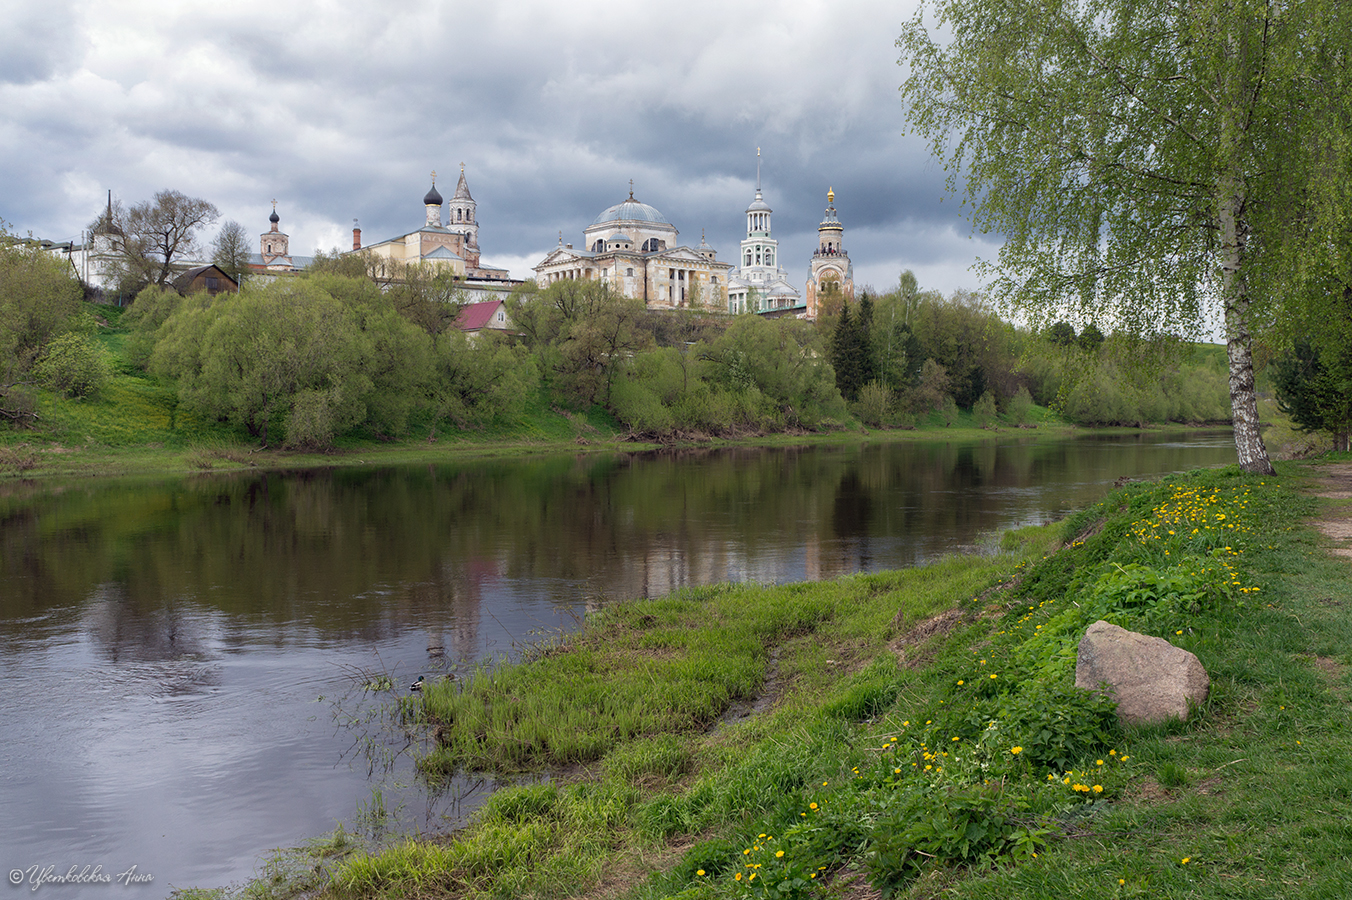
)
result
[(759, 274)]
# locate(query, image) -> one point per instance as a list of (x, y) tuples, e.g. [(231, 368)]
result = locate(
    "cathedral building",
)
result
[(453, 246), (632, 247), (759, 284), (831, 273)]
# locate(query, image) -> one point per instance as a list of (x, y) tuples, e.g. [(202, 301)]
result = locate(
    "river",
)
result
[(183, 661)]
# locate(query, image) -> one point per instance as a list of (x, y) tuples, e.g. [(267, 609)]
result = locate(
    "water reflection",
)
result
[(163, 644)]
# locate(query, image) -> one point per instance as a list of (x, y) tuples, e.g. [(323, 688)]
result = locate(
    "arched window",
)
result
[(598, 246)]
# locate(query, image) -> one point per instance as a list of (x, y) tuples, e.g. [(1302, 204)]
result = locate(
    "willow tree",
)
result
[(1155, 165)]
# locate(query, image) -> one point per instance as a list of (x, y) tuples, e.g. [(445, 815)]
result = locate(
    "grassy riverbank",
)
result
[(136, 427), (916, 732)]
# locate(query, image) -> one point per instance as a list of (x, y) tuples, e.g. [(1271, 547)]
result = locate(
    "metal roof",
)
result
[(631, 210)]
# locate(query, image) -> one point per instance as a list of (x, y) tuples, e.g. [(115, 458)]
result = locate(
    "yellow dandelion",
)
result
[(778, 854), (699, 872), (1016, 750)]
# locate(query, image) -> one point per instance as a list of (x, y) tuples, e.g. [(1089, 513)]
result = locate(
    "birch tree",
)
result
[(1155, 165)]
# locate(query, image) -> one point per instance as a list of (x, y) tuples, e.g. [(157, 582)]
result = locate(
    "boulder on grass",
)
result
[(1150, 678)]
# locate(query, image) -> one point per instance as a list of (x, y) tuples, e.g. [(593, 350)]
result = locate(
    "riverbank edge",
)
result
[(24, 460), (1260, 753)]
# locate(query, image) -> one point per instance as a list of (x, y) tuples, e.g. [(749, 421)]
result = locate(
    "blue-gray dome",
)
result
[(631, 211)]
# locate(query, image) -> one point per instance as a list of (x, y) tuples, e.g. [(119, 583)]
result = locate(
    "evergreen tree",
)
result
[(844, 354), (868, 356), (1315, 390)]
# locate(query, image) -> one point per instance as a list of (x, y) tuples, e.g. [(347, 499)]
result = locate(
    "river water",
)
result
[(182, 661)]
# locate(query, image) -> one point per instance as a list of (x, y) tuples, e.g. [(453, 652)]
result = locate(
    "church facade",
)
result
[(453, 246), (633, 248)]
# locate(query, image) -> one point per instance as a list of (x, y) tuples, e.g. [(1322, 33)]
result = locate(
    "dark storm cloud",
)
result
[(341, 110)]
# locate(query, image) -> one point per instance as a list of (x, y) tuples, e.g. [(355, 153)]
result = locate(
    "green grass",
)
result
[(648, 787)]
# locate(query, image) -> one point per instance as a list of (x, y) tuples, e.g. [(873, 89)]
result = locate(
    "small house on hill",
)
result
[(475, 317), (205, 278)]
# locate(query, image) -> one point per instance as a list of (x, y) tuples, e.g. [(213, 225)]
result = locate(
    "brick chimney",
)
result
[(356, 236)]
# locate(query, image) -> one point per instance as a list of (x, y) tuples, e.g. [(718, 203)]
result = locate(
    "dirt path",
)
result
[(1335, 483)]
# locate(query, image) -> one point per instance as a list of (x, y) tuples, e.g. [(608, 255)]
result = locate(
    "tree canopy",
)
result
[(1152, 164), (153, 238)]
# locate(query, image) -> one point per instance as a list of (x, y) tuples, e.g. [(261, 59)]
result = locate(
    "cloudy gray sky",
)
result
[(341, 110)]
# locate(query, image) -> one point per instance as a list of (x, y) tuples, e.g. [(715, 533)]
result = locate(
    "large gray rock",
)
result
[(1150, 678)]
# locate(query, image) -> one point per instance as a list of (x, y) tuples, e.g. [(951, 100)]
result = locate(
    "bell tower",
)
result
[(273, 244), (832, 274)]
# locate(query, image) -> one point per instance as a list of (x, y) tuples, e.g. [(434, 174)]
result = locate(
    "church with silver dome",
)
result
[(633, 248)]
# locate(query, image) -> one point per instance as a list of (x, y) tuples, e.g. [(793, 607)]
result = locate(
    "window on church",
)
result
[(629, 272)]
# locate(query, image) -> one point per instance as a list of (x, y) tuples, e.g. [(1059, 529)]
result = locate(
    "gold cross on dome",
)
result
[(274, 205), (434, 176)]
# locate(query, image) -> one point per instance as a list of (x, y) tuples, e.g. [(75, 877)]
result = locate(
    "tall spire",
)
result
[(758, 189)]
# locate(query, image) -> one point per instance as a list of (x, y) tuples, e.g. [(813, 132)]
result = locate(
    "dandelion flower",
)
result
[(1016, 750), (699, 872), (779, 854), (812, 806), (1186, 860)]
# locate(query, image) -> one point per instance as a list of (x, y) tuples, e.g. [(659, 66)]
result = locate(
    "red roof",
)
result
[(477, 315)]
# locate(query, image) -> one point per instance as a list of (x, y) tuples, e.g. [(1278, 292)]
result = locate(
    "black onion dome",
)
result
[(274, 218), (432, 198)]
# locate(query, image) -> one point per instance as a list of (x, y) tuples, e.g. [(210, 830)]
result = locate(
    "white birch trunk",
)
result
[(1249, 447)]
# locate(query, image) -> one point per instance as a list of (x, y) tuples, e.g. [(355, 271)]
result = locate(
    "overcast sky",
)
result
[(341, 110)]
